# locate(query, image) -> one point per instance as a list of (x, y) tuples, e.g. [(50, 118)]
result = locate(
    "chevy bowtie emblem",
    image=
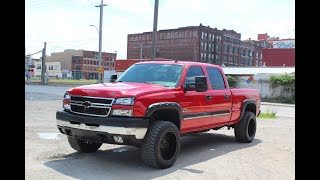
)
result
[(86, 104)]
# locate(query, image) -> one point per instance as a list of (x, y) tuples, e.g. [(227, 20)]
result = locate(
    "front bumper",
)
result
[(82, 126)]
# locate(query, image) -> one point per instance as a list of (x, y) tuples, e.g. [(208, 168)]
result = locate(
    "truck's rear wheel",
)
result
[(161, 145), (83, 146), (245, 129)]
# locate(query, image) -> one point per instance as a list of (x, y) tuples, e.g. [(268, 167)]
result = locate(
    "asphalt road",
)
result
[(211, 155)]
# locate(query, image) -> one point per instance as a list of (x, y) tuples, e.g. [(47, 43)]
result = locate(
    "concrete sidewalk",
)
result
[(281, 110), (277, 104)]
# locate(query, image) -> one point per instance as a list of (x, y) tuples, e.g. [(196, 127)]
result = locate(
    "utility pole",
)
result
[(100, 80), (43, 68), (141, 52), (154, 34)]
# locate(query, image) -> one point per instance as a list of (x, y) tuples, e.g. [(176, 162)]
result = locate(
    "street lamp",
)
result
[(99, 61), (95, 27)]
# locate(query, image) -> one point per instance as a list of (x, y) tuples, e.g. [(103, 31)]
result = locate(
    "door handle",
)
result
[(226, 96), (208, 97)]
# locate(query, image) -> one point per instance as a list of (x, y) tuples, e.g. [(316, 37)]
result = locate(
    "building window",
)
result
[(205, 56), (201, 56), (219, 38), (205, 46), (228, 49), (202, 35), (210, 47), (205, 35), (56, 67), (225, 59), (50, 67), (201, 45), (212, 37), (231, 50), (217, 48), (225, 49), (260, 56), (209, 36)]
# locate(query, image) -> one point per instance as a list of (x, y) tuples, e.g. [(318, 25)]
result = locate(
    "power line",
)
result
[(34, 53), (74, 40)]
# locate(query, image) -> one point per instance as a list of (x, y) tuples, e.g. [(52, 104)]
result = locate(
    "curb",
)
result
[(277, 104)]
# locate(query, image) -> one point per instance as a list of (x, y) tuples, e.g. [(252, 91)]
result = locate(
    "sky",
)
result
[(64, 24)]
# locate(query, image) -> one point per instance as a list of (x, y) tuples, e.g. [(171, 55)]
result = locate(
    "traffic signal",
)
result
[(32, 70)]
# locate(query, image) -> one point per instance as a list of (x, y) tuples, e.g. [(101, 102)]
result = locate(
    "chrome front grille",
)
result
[(91, 106)]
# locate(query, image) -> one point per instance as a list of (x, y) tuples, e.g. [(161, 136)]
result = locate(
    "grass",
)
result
[(268, 115)]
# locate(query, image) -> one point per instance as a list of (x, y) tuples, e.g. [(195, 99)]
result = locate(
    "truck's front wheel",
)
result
[(83, 146), (245, 129), (161, 146)]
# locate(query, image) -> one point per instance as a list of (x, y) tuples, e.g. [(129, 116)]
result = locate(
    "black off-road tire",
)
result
[(245, 129), (161, 145), (83, 146)]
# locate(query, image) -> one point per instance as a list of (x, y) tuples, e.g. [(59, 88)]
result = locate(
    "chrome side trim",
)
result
[(139, 133), (206, 116), (220, 114), (197, 117)]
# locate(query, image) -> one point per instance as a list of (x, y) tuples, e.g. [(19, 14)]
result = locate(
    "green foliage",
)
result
[(267, 115), (232, 81), (282, 99), (285, 80), (270, 114)]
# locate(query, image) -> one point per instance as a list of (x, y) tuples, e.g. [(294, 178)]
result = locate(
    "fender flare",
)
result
[(244, 105), (164, 105)]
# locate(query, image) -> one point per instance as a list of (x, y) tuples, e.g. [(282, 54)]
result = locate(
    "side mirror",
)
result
[(113, 78), (199, 85)]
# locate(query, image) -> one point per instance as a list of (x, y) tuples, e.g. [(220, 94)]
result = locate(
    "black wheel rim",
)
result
[(251, 128), (168, 146)]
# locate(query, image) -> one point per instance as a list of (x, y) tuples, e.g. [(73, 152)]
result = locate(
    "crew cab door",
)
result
[(196, 107), (220, 95)]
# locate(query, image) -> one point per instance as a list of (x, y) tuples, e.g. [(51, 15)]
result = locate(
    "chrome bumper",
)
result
[(139, 133)]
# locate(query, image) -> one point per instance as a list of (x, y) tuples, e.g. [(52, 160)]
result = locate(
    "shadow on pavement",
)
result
[(124, 162)]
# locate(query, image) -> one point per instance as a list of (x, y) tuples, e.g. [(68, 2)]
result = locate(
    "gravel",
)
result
[(211, 155)]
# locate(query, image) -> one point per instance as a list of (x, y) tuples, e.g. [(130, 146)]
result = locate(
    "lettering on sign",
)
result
[(188, 34)]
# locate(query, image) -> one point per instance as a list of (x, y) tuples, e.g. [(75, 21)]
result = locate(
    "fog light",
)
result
[(121, 112), (118, 139), (66, 107)]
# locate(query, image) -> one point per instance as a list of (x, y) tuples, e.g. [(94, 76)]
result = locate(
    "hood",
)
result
[(117, 89)]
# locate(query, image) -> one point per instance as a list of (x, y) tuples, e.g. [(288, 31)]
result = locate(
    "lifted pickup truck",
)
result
[(152, 104)]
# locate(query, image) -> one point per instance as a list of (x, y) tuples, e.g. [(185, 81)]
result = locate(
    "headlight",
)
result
[(124, 101), (67, 96), (66, 101), (121, 112)]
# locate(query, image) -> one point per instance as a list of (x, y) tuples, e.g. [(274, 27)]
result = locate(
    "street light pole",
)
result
[(154, 33), (100, 41), (141, 52), (141, 46)]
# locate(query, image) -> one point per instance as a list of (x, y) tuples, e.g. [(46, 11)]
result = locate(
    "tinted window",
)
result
[(167, 75), (192, 72), (216, 79)]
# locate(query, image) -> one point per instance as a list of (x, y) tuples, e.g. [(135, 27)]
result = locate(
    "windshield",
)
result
[(167, 75)]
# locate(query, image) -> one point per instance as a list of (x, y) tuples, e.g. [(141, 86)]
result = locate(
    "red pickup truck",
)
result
[(152, 104)]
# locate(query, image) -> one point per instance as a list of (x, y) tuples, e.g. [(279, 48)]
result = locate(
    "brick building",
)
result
[(196, 43), (279, 52), (82, 63)]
